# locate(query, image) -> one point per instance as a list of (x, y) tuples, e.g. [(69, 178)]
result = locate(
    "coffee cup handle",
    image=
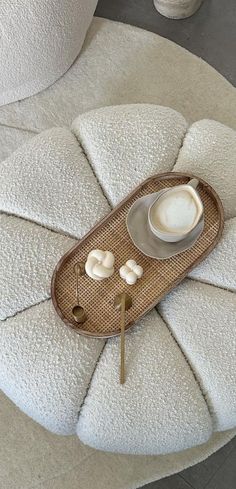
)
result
[(193, 183)]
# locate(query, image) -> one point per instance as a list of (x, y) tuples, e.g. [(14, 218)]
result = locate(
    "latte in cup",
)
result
[(175, 213)]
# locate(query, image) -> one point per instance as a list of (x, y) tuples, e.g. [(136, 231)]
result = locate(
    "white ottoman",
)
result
[(40, 39), (181, 358)]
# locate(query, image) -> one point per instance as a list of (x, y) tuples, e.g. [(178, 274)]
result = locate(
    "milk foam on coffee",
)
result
[(176, 212)]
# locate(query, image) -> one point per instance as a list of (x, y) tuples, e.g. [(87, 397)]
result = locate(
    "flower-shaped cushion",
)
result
[(180, 358)]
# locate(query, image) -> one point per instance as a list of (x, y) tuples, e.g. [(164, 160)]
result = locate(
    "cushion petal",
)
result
[(219, 268), (45, 367), (49, 181), (128, 143), (28, 255), (159, 409), (208, 151), (202, 319)]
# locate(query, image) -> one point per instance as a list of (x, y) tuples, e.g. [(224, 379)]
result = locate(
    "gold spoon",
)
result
[(78, 311), (122, 302)]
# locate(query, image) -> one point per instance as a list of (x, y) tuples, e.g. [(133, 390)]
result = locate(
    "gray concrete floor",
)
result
[(210, 34)]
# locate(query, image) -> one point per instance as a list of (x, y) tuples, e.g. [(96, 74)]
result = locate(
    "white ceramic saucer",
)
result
[(146, 241)]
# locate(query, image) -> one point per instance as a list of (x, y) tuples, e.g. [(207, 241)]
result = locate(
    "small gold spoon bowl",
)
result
[(79, 314)]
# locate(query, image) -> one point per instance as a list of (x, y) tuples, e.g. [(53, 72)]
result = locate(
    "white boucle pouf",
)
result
[(180, 386), (122, 64), (40, 40)]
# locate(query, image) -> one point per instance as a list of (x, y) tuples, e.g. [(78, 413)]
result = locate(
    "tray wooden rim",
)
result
[(71, 251)]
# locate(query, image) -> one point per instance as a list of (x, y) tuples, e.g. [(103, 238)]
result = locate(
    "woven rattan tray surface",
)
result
[(160, 276)]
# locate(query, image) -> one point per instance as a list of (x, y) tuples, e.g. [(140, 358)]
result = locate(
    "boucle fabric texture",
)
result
[(40, 40), (161, 406), (25, 278), (70, 383), (219, 268), (122, 64), (45, 367), (11, 138), (206, 335), (147, 150), (49, 181), (32, 457), (209, 151)]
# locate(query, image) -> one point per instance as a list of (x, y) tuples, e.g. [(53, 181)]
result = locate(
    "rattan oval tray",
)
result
[(160, 276)]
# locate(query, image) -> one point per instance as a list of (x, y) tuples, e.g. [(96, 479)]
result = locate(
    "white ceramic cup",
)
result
[(162, 232)]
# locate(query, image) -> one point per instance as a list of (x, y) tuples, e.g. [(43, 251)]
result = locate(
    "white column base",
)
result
[(177, 9)]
